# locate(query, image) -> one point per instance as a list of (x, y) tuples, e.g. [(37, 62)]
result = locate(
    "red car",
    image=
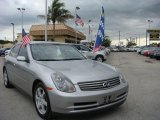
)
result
[(149, 51)]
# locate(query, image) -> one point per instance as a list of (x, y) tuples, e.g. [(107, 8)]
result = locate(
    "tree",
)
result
[(131, 43), (57, 13), (5, 42), (153, 44), (106, 42)]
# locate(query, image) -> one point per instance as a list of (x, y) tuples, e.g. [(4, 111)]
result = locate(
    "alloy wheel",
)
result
[(100, 59), (5, 78), (41, 101)]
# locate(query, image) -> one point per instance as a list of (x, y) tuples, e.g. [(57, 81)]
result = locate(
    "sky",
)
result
[(127, 16)]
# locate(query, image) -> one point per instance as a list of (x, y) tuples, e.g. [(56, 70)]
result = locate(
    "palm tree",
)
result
[(57, 13)]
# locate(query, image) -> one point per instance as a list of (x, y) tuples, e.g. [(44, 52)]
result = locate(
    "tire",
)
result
[(99, 58), (41, 101), (6, 79)]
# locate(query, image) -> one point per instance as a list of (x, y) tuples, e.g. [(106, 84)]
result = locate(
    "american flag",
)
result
[(79, 21), (25, 38)]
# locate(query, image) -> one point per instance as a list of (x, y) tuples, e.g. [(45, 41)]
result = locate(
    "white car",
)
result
[(86, 51), (7, 52)]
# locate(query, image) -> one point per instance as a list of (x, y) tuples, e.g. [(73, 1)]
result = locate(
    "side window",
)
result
[(84, 48), (15, 50), (23, 52), (76, 46)]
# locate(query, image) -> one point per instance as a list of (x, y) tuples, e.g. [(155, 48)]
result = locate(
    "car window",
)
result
[(23, 52), (84, 48), (51, 52), (14, 51), (77, 46)]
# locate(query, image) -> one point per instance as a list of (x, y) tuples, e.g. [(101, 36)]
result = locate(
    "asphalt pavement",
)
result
[(143, 103)]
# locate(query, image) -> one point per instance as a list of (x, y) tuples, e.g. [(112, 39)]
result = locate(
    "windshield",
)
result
[(55, 52)]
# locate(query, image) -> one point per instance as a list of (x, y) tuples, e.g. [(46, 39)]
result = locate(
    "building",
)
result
[(62, 33)]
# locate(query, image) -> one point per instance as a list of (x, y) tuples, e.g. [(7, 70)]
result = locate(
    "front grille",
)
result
[(99, 85)]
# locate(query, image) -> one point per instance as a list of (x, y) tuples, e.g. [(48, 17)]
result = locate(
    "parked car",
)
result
[(149, 51), (114, 49), (60, 79), (86, 51), (2, 51), (144, 50), (157, 54), (106, 50), (122, 49), (140, 49), (153, 53), (7, 52)]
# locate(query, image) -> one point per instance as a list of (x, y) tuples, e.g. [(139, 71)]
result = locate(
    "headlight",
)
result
[(121, 77), (62, 83)]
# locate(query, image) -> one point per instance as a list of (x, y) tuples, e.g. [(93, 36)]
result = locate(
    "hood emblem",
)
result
[(106, 84)]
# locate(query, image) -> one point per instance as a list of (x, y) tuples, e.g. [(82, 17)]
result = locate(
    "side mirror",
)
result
[(22, 58)]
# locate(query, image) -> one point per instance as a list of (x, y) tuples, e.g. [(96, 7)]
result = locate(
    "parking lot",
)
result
[(143, 103)]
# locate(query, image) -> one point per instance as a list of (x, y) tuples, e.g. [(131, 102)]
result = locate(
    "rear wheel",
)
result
[(41, 101), (6, 80)]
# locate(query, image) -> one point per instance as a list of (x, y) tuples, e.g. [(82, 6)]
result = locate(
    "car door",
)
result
[(10, 63), (22, 70)]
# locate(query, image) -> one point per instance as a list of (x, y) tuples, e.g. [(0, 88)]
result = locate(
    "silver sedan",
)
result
[(60, 79)]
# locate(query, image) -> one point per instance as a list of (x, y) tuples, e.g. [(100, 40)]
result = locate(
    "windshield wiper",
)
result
[(48, 60), (74, 59)]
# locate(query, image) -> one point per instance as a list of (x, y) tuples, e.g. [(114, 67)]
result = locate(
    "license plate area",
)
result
[(107, 99)]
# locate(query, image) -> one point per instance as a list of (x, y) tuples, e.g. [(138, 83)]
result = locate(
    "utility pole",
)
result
[(146, 37), (76, 9), (22, 12), (13, 32), (136, 40)]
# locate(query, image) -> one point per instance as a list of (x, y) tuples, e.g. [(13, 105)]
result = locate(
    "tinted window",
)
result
[(77, 47), (23, 52), (14, 51)]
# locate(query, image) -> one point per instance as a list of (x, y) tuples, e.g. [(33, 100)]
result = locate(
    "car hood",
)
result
[(82, 70)]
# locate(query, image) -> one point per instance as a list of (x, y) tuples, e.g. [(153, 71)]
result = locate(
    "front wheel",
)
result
[(41, 101), (6, 80), (99, 58)]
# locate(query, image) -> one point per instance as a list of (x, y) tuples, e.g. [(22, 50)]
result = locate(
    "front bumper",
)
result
[(84, 101)]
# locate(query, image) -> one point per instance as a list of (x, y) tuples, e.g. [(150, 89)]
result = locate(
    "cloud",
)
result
[(128, 16)]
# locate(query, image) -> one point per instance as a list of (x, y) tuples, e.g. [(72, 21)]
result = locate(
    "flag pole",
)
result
[(77, 8), (45, 20), (101, 30)]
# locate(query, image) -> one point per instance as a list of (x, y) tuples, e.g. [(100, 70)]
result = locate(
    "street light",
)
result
[(149, 23), (77, 8), (13, 31), (22, 11), (89, 29)]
